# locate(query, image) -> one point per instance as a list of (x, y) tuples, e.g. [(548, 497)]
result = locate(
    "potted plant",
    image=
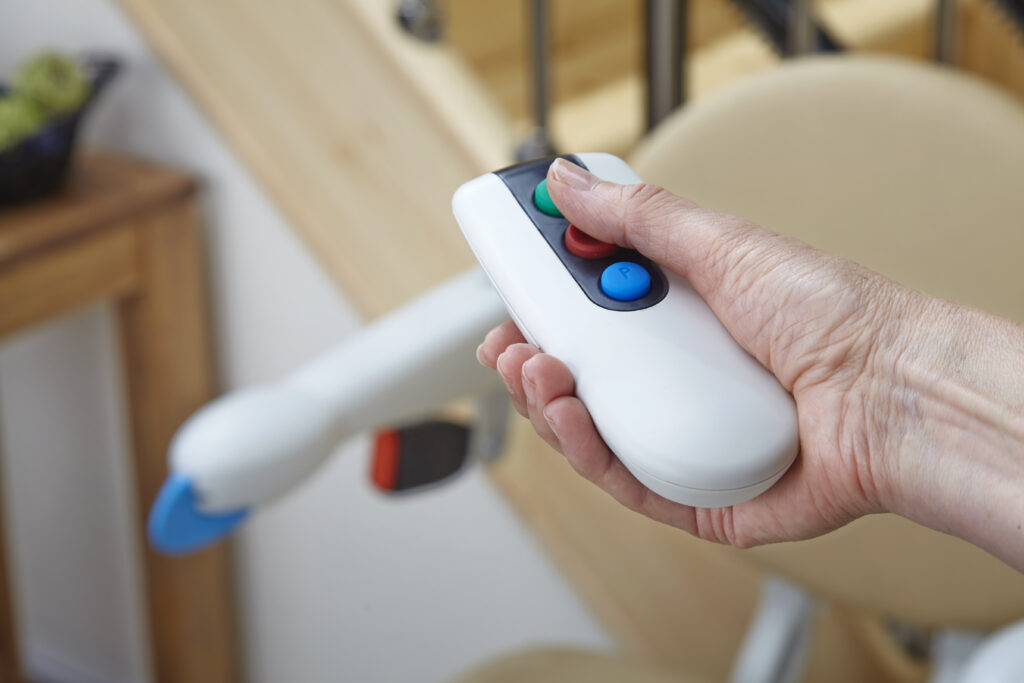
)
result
[(40, 111)]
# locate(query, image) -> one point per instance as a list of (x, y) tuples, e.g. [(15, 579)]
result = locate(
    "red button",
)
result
[(386, 452), (585, 246)]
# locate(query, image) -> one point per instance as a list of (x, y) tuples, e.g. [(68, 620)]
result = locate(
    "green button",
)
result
[(543, 200)]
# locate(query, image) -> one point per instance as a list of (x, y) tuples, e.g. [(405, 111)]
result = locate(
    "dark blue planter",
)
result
[(38, 165)]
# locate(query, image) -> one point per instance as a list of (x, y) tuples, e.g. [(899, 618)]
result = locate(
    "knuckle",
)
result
[(640, 194), (718, 525), (743, 542), (644, 210), (644, 201)]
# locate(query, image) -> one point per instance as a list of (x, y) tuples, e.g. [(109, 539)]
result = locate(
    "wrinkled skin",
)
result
[(905, 403)]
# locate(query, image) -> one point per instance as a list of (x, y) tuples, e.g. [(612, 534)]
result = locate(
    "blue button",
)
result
[(625, 281)]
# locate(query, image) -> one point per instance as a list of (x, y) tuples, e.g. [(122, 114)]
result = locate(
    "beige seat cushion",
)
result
[(916, 171), (567, 666)]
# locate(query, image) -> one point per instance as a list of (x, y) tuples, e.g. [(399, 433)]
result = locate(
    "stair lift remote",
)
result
[(693, 416)]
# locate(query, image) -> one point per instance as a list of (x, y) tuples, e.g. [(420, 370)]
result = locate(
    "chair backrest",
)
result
[(916, 171)]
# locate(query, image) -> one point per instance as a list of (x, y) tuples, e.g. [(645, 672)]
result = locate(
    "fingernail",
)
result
[(571, 175), (479, 355), (551, 423), (529, 386), (505, 380), (501, 370)]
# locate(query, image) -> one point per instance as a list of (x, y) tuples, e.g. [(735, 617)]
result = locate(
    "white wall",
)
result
[(335, 582)]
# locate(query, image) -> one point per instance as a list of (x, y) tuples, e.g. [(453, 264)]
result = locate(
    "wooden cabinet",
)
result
[(128, 233)]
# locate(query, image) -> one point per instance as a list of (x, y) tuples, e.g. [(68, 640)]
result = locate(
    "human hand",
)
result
[(889, 413)]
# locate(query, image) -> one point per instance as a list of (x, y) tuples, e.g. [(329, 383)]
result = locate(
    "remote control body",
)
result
[(693, 416)]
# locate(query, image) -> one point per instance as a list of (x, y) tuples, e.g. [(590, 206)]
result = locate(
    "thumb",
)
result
[(770, 291), (697, 243)]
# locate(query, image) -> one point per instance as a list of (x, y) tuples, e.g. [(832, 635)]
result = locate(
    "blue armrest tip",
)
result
[(176, 525)]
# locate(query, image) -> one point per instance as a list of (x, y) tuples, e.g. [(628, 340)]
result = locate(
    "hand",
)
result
[(889, 412)]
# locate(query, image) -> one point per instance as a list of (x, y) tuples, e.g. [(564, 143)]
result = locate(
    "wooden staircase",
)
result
[(337, 112)]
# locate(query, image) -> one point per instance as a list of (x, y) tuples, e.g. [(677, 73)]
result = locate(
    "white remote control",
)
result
[(693, 416)]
